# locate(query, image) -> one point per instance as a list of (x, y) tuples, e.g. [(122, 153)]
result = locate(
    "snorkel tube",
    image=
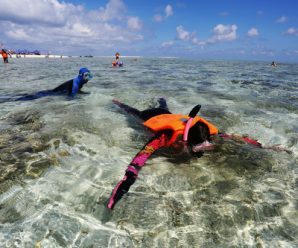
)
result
[(191, 115)]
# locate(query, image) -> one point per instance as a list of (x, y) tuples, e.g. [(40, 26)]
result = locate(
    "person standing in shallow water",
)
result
[(273, 64), (117, 62), (5, 55)]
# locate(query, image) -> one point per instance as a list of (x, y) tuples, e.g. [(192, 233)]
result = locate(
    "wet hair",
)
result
[(198, 134)]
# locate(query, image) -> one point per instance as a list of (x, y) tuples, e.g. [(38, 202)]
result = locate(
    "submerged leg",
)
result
[(35, 96), (162, 109), (145, 114), (127, 108), (149, 113)]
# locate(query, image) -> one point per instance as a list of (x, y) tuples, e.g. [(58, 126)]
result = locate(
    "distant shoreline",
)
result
[(51, 56), (17, 56)]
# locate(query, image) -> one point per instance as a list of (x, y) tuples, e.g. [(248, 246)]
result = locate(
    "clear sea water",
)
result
[(61, 158)]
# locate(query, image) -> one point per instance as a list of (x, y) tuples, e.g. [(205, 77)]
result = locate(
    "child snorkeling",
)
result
[(191, 132)]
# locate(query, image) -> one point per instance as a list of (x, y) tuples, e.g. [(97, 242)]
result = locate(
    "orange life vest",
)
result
[(176, 122), (4, 55)]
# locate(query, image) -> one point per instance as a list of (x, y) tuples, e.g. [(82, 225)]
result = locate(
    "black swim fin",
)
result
[(194, 111)]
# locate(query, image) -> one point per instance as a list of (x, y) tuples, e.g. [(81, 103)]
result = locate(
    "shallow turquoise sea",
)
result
[(61, 158)]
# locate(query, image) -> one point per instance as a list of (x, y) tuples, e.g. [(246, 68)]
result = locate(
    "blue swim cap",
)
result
[(85, 74), (83, 70)]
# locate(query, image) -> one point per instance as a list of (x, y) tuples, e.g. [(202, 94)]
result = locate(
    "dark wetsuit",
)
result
[(65, 87), (148, 113), (70, 87)]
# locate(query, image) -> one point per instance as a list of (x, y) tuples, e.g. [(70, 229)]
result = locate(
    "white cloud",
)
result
[(292, 31), (18, 34), (134, 23), (48, 22), (46, 12), (169, 11), (253, 32), (198, 42), (282, 19), (185, 35), (223, 33), (182, 34), (115, 9), (82, 28)]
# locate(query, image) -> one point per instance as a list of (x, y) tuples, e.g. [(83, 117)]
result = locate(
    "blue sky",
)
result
[(214, 29)]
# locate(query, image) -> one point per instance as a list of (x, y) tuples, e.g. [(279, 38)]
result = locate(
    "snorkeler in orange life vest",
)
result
[(187, 131)]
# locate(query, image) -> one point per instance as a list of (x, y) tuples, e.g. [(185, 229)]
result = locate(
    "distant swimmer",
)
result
[(117, 55), (70, 87), (116, 62), (5, 55), (273, 63)]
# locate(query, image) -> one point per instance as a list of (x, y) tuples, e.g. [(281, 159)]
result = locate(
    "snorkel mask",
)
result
[(85, 74), (206, 145)]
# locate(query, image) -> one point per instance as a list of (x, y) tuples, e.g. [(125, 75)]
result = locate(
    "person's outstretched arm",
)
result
[(248, 140), (242, 138), (136, 164)]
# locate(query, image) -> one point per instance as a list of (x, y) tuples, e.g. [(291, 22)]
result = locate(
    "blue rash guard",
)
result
[(71, 87), (77, 84)]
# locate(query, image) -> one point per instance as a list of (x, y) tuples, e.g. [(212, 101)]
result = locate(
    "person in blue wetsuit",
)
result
[(70, 87)]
